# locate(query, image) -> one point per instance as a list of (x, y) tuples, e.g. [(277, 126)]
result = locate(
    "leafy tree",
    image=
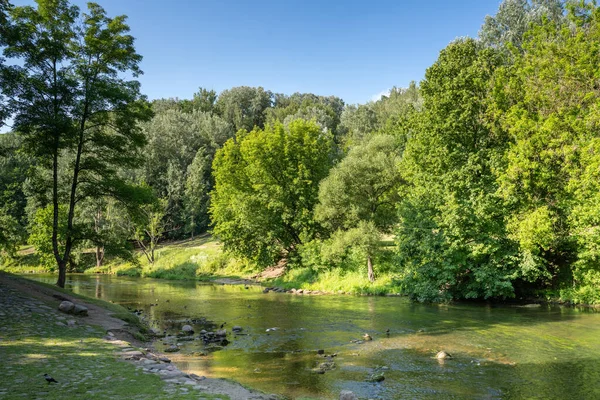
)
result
[(149, 227), (198, 185), (68, 100), (14, 167), (42, 232), (266, 187), (452, 238), (515, 17), (244, 107), (357, 201), (177, 143), (109, 229), (204, 100), (548, 100), (325, 110)]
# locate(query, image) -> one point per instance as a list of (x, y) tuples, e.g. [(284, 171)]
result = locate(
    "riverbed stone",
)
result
[(80, 310), (348, 395), (442, 355), (66, 306), (187, 329), (237, 328), (172, 349)]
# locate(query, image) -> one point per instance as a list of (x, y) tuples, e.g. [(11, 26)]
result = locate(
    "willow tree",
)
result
[(67, 94)]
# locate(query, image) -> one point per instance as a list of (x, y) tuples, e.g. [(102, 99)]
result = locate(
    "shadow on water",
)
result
[(498, 350)]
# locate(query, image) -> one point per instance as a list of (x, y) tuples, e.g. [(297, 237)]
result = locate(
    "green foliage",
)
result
[(515, 17), (451, 238), (266, 187), (549, 102), (64, 91), (41, 234), (244, 107), (177, 164), (357, 201)]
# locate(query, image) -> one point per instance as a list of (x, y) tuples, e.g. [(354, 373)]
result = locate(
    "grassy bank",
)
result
[(36, 339), (203, 258)]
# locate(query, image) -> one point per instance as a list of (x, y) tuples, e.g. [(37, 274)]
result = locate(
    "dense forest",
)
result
[(479, 182)]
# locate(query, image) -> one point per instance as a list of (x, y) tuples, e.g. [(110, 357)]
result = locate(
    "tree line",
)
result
[(478, 182)]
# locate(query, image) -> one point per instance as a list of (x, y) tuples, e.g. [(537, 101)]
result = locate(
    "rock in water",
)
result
[(80, 310), (377, 377), (172, 349), (187, 329), (367, 337), (347, 395), (66, 306), (237, 328), (442, 355)]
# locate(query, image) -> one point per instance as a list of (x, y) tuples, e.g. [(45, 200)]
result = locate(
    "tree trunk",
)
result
[(62, 273), (99, 256), (370, 269)]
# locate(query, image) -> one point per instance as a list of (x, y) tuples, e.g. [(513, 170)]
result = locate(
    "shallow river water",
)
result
[(507, 352)]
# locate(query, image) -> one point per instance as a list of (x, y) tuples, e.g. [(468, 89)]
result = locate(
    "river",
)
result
[(499, 351)]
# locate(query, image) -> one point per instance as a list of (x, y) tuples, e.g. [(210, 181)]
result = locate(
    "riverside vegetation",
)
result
[(479, 182)]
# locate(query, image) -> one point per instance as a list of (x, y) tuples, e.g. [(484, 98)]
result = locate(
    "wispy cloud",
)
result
[(382, 93)]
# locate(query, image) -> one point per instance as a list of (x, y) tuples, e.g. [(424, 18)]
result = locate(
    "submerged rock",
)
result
[(376, 377)]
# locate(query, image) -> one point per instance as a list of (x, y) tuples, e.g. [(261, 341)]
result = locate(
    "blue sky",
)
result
[(351, 49)]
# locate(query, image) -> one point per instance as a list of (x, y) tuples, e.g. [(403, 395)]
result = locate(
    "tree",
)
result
[(452, 239), (266, 187), (69, 101), (178, 142), (244, 107), (149, 227), (549, 102), (515, 17), (14, 168), (357, 201)]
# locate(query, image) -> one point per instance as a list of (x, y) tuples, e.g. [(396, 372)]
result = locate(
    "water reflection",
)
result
[(499, 351)]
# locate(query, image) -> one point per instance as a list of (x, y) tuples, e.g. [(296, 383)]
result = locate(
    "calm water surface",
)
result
[(506, 352)]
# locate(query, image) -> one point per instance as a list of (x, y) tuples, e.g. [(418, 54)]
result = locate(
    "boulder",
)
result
[(80, 310), (347, 395), (442, 355), (221, 332), (66, 306), (187, 329), (172, 349)]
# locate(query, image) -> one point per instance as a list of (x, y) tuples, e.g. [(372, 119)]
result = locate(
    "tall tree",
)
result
[(515, 17), (452, 237), (357, 201), (244, 107), (69, 99), (266, 187)]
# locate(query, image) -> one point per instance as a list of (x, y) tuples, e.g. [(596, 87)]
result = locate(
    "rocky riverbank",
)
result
[(78, 351)]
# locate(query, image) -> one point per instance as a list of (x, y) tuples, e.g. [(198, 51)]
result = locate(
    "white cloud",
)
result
[(382, 93)]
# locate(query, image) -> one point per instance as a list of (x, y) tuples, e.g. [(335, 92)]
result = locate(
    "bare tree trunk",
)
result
[(370, 269)]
